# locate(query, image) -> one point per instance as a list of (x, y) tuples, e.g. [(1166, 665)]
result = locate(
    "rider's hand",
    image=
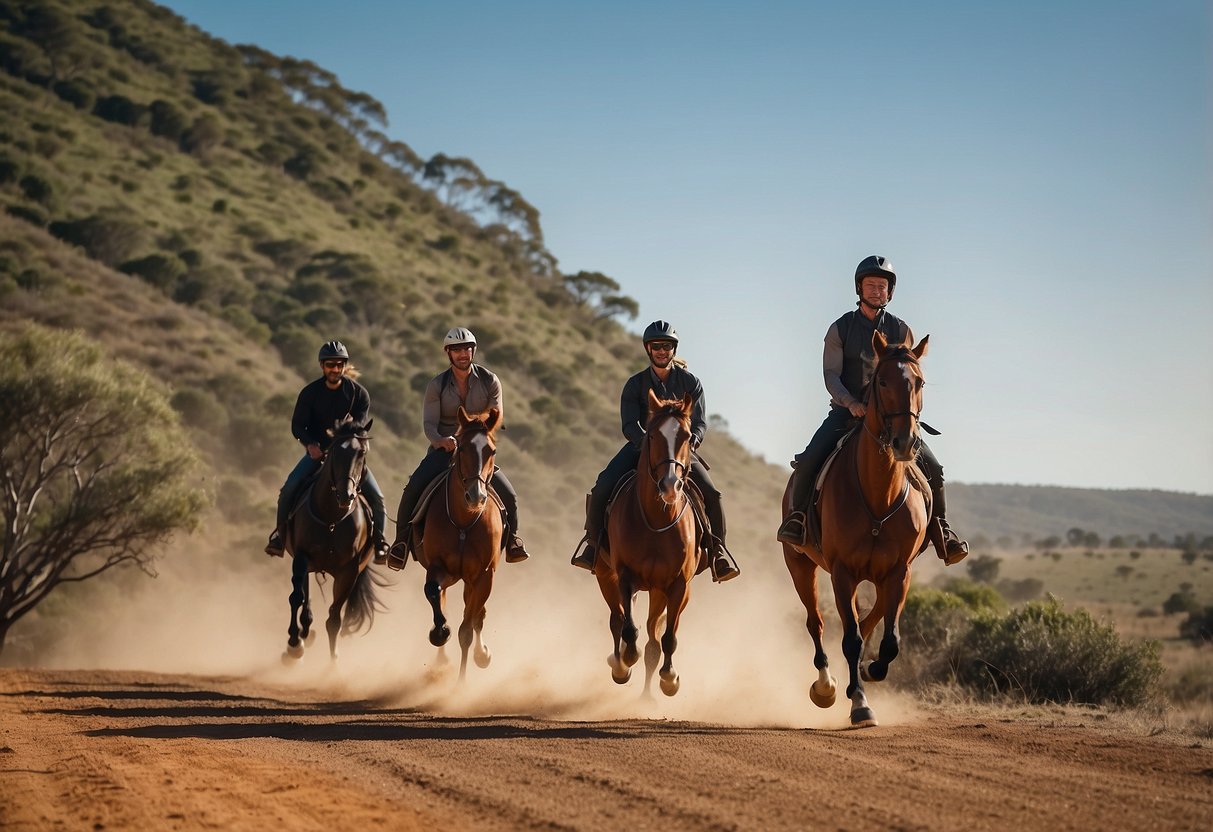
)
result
[(313, 450), (857, 409), (447, 443)]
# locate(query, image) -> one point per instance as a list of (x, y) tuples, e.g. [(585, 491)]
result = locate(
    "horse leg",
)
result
[(299, 580), (343, 582), (475, 596), (677, 595), (608, 584), (852, 647), (631, 654), (652, 647), (890, 598), (804, 577), (436, 595)]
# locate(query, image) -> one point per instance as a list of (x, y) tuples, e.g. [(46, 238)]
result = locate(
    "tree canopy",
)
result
[(95, 467)]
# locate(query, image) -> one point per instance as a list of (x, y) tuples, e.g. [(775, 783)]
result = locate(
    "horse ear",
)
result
[(921, 349), (493, 419), (654, 402), (367, 427), (688, 403), (879, 342), (463, 416)]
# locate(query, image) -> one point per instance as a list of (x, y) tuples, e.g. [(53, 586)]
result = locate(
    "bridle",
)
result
[(681, 470), (454, 471), (885, 439), (350, 478)]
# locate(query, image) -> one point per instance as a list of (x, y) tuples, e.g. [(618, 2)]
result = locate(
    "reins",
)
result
[(682, 477)]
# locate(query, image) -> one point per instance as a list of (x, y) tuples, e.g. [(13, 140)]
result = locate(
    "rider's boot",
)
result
[(276, 547), (381, 549), (515, 552), (398, 553), (954, 549), (722, 567), (794, 529), (587, 547)]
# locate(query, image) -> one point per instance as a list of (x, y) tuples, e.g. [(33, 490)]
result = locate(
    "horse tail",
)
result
[(362, 605)]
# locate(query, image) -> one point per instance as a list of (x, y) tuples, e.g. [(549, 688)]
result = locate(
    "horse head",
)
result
[(475, 447), (895, 399), (667, 445), (346, 458)]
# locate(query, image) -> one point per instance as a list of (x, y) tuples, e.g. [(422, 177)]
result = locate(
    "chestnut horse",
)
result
[(873, 524), (462, 535), (330, 533), (651, 545)]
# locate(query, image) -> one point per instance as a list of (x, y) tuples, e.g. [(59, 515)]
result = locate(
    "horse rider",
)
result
[(668, 378), (321, 404), (849, 362), (477, 390)]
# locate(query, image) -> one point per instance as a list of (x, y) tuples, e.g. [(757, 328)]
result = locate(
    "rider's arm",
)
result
[(493, 386), (360, 409), (301, 417), (699, 423), (431, 411), (630, 411), (832, 364)]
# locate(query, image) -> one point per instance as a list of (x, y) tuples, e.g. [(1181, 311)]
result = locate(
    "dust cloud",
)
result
[(220, 608)]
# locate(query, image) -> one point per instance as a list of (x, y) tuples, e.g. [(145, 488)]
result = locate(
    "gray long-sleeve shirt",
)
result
[(440, 412), (848, 366)]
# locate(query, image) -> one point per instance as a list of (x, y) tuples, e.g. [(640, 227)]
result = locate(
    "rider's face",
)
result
[(662, 357), (461, 355), (875, 290), (333, 370)]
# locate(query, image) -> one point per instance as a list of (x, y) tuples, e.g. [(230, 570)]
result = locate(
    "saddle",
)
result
[(417, 521), (703, 529), (918, 481)]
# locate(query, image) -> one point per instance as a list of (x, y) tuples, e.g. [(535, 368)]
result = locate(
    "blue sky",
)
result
[(1040, 174)]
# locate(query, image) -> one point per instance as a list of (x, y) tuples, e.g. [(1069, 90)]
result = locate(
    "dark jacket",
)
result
[(849, 359), (318, 408), (634, 403)]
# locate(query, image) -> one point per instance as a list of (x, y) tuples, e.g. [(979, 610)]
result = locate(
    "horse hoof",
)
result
[(670, 684), (620, 672), (482, 657), (440, 635), (292, 654), (631, 654), (863, 718), (874, 671), (822, 695)]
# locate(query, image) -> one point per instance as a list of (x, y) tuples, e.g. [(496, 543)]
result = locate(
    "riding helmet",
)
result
[(875, 266), (457, 336), (334, 349), (660, 331)]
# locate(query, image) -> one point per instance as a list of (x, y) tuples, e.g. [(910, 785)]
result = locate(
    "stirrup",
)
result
[(723, 569), (585, 555), (955, 549), (381, 552), (397, 556), (793, 529)]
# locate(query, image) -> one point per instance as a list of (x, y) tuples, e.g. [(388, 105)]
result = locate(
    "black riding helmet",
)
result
[(660, 331), (334, 349), (875, 266)]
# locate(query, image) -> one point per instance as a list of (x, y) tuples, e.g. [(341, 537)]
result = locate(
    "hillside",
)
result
[(212, 213)]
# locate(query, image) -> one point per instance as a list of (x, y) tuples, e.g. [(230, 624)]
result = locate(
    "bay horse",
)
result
[(330, 533), (651, 545), (462, 536), (874, 515)]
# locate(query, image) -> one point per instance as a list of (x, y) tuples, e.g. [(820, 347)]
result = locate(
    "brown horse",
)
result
[(873, 524), (462, 535), (652, 545), (330, 533)]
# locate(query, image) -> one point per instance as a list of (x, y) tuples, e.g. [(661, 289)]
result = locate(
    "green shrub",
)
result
[(36, 188), (167, 120), (1043, 653), (161, 270), (199, 410), (107, 239), (120, 110), (76, 92), (1199, 626), (202, 135)]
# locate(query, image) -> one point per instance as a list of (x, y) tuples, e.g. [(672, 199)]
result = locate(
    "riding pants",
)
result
[(434, 463), (836, 424), (625, 461), (305, 468)]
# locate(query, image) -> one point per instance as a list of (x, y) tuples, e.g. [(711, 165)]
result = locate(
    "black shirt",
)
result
[(634, 403), (318, 408)]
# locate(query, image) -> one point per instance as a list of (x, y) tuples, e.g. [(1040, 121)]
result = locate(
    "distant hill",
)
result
[(1040, 511)]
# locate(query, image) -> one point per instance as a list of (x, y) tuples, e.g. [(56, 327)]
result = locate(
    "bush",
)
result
[(161, 270), (1046, 654), (36, 188), (75, 92), (1199, 626), (199, 410), (107, 239), (202, 135), (168, 121), (120, 110)]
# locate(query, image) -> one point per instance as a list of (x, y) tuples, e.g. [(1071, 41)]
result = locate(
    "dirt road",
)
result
[(125, 750)]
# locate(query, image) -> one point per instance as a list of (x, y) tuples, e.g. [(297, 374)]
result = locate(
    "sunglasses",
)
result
[(661, 346), (332, 365), (461, 348)]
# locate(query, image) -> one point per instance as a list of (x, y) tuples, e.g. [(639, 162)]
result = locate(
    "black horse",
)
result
[(330, 531)]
